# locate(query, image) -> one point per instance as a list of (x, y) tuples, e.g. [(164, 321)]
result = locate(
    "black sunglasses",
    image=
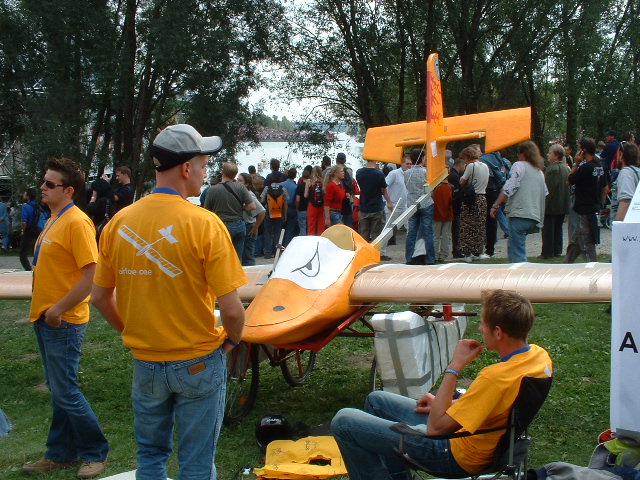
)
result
[(50, 185)]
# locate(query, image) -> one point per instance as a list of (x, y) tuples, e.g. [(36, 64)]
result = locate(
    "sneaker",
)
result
[(384, 258), (45, 465), (484, 256), (91, 469), (605, 436), (469, 259)]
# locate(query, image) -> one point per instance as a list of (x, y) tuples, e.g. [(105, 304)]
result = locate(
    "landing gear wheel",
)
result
[(243, 377), (297, 366)]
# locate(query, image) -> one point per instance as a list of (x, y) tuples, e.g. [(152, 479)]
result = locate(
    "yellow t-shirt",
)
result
[(487, 404), (67, 244), (169, 260)]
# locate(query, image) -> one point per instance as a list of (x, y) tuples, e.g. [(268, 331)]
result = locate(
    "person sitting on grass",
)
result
[(367, 443)]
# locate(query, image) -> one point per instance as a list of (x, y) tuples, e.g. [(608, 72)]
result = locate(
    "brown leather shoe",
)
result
[(91, 469), (45, 465)]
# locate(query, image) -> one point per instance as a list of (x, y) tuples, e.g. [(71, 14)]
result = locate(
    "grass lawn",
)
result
[(576, 336)]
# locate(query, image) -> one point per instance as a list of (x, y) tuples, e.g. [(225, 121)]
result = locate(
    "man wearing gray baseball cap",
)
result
[(169, 261)]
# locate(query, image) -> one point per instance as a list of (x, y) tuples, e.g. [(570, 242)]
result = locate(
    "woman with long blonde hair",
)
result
[(524, 192)]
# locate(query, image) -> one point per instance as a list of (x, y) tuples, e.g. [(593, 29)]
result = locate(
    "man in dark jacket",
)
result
[(587, 176), (455, 173), (31, 212), (556, 203), (496, 180)]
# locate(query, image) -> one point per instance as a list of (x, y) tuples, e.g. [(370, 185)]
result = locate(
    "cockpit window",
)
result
[(312, 262)]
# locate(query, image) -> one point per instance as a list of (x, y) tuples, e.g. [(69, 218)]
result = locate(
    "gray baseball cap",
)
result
[(177, 144)]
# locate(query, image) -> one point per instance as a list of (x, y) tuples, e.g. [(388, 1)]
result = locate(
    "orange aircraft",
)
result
[(321, 279), (500, 129)]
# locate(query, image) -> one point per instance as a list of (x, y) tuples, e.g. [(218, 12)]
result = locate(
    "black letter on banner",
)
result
[(628, 342)]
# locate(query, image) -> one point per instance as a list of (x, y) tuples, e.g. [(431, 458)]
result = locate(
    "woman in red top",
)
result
[(334, 195)]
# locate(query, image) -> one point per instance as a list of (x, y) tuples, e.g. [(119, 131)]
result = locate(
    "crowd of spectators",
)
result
[(460, 221)]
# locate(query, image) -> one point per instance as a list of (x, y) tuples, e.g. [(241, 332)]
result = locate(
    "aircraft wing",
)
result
[(15, 284), (256, 277), (462, 282), (453, 282), (500, 129)]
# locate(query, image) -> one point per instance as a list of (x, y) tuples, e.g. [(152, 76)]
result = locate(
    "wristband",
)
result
[(235, 344), (494, 207), (451, 370)]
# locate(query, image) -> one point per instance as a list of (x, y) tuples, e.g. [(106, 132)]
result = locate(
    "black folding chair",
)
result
[(510, 457)]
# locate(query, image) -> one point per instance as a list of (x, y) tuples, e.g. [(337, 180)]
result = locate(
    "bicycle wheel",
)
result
[(243, 377), (375, 379), (297, 365)]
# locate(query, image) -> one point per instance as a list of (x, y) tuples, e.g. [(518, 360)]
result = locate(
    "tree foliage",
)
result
[(575, 62), (96, 80)]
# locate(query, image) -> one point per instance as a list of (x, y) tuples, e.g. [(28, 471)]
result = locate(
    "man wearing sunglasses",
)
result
[(64, 263), (169, 261)]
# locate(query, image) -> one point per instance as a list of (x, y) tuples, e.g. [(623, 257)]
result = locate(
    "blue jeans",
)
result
[(302, 222), (502, 220), (421, 224), (290, 225), (519, 228), (191, 392), (366, 441), (75, 431), (248, 252), (238, 232), (272, 229), (5, 425), (335, 216)]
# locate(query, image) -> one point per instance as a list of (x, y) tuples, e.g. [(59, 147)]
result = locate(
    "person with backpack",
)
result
[(276, 197), (314, 193), (31, 213), (229, 200), (275, 176), (496, 181)]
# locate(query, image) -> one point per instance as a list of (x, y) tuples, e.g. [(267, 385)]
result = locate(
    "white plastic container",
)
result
[(412, 352)]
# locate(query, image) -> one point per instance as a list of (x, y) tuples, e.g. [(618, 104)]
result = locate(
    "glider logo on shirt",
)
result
[(147, 248)]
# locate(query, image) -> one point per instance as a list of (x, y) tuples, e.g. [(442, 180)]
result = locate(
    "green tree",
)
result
[(96, 80)]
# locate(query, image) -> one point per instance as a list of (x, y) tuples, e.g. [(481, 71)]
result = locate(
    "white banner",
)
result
[(625, 328)]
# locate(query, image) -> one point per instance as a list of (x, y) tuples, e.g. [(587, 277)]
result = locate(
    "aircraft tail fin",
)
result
[(435, 149)]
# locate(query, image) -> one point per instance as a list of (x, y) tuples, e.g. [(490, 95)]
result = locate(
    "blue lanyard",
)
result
[(516, 352), (169, 191), (48, 226)]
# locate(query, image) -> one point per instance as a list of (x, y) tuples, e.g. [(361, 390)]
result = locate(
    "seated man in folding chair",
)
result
[(367, 443)]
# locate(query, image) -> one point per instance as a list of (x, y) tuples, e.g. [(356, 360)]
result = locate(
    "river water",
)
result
[(285, 152)]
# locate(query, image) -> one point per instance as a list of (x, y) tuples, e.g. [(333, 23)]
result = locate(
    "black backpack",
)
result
[(316, 195)]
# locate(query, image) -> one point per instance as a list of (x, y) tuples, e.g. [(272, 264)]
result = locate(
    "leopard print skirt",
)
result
[(472, 226)]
